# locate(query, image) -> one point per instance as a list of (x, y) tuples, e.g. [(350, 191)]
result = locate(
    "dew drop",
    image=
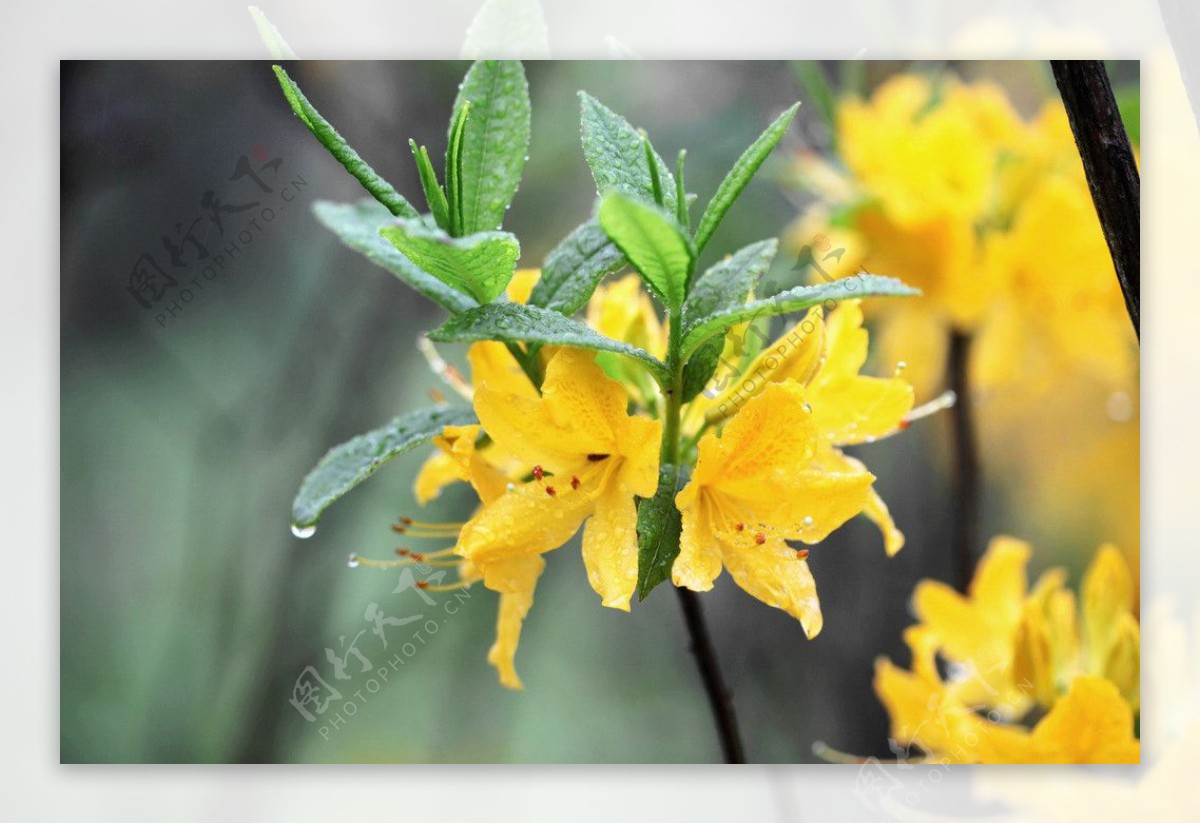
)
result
[(807, 408), (808, 521), (304, 531), (352, 561)]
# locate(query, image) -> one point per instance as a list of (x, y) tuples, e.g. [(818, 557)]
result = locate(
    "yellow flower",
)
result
[(622, 310), (589, 458), (1009, 651), (457, 444), (1092, 724), (824, 357), (989, 215), (1054, 645), (978, 631), (754, 488)]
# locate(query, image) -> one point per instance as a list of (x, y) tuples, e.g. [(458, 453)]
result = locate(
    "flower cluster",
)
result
[(586, 449), (1012, 675), (603, 423), (942, 183)]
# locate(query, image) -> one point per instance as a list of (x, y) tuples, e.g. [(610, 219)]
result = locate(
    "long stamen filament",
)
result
[(437, 364)]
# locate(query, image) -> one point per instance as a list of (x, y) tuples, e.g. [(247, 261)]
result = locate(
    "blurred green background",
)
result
[(188, 608)]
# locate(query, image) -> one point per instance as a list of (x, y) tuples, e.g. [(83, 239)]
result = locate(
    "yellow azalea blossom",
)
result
[(978, 631), (1091, 724), (590, 459), (824, 357), (926, 712), (1009, 651), (458, 445), (755, 487), (1056, 641), (622, 310)]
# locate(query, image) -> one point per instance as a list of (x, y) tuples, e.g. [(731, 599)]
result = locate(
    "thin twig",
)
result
[(710, 674), (966, 460), (1111, 173)]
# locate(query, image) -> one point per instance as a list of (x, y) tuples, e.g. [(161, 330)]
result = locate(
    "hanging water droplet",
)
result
[(304, 531), (352, 561)]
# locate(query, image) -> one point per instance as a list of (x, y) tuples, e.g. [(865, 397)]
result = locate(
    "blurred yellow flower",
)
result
[(947, 187), (1010, 652)]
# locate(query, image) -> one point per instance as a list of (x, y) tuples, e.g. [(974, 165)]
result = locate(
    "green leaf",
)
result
[(379, 188), (345, 467), (792, 300), (654, 244), (574, 268), (357, 225), (435, 196), (723, 286), (659, 527), (495, 142), (739, 176), (513, 322), (615, 153), (479, 265), (454, 159)]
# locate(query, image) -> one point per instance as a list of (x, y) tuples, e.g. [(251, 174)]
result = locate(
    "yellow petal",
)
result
[(979, 629), (874, 508), (773, 573), (1107, 595), (999, 583), (1124, 664), (859, 409), (493, 366), (699, 562), (845, 343), (521, 285), (581, 412), (610, 548), (1092, 724), (770, 438), (525, 521), (439, 471), (515, 602), (793, 357)]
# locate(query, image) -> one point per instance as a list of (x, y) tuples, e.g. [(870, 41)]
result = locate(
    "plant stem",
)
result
[(693, 618), (966, 460), (1112, 175), (710, 673)]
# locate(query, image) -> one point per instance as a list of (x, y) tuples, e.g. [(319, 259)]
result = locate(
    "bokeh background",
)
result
[(188, 609)]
